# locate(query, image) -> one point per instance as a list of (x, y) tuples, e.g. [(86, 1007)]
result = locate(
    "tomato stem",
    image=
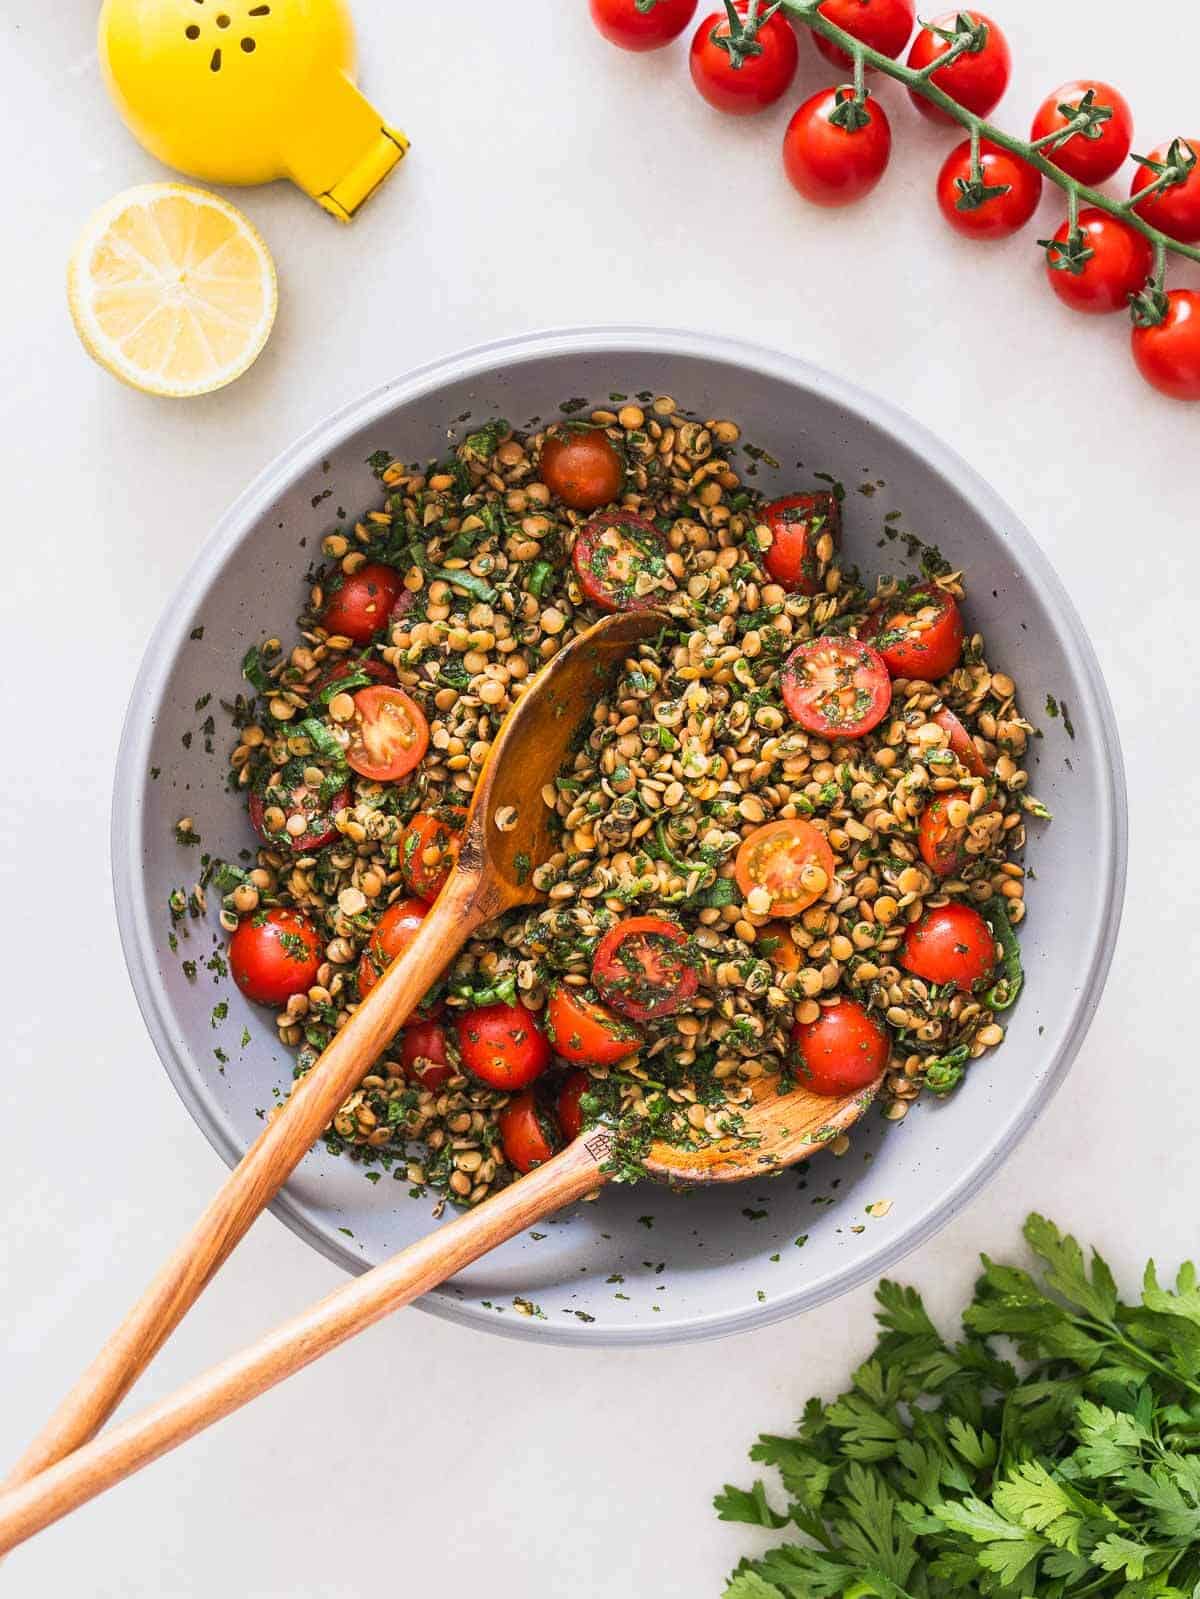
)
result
[(1175, 169)]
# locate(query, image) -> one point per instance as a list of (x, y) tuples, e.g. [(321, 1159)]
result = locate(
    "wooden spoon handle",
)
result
[(258, 1176), (124, 1449)]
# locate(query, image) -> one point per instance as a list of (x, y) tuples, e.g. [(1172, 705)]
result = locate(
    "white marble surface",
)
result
[(552, 180)]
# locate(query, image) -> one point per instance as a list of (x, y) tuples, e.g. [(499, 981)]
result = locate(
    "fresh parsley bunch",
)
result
[(1054, 1451)]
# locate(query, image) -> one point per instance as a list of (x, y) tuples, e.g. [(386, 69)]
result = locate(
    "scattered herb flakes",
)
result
[(754, 1215), (347, 1231), (1066, 718), (245, 1037), (537, 1237), (646, 1221), (1051, 705), (774, 1259), (372, 1176), (878, 1207), (526, 1307), (219, 1013), (615, 1278), (197, 634), (760, 1296), (801, 1241), (155, 773), (569, 407), (582, 1315), (222, 1057)]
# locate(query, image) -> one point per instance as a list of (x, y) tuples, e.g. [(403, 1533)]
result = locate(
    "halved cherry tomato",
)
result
[(528, 1132), (885, 25), (776, 943), (796, 524), (642, 967), (919, 635), (844, 1050), (791, 859), (642, 24), (581, 466), (1106, 263), (429, 849), (424, 1055), (1089, 157), (1175, 210), (836, 687), (618, 554), (275, 954), (502, 1045), (297, 799), (584, 1031), (977, 78), (758, 77), (388, 736), (359, 606), (567, 1107), (950, 944), (942, 844), (961, 742), (394, 932)]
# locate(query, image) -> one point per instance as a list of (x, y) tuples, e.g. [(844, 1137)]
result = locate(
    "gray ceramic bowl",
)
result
[(642, 1264)]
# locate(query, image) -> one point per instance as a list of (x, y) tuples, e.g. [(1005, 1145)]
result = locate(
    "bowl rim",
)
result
[(139, 942)]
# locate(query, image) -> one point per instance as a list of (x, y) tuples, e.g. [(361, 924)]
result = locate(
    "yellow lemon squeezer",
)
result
[(245, 91)]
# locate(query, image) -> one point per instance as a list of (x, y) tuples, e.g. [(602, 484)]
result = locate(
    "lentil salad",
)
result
[(786, 839)]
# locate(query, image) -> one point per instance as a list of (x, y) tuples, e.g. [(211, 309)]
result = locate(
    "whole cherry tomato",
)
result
[(950, 944), (503, 1045), (730, 77), (834, 151), (642, 24), (977, 78), (1089, 155), (885, 25), (359, 605), (844, 1050), (274, 954), (994, 204), (1175, 210), (424, 1055), (1167, 352), (393, 933), (1105, 265), (581, 466)]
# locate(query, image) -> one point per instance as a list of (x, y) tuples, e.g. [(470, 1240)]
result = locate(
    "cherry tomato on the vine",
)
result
[(977, 78), (1174, 210), (950, 944), (884, 25), (1105, 264), (275, 954), (993, 204), (834, 150), (732, 79), (797, 524), (1167, 352), (359, 605), (1091, 156), (844, 1050), (581, 465), (642, 24)]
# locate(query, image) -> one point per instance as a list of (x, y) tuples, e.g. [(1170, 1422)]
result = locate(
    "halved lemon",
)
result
[(172, 289)]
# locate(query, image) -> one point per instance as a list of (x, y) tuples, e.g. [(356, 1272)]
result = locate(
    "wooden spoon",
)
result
[(779, 1131), (493, 874)]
